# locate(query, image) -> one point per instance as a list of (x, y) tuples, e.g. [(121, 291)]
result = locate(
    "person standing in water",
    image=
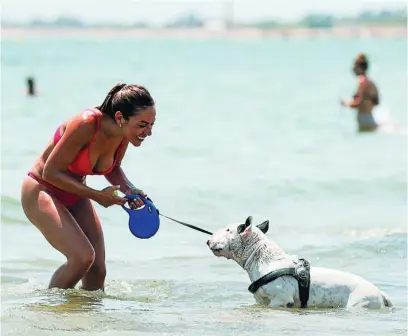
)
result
[(366, 97), (55, 196), (31, 91)]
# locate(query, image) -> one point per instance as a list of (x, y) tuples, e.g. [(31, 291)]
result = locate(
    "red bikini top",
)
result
[(82, 165)]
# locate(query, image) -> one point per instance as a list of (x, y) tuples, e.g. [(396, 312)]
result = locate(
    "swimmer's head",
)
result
[(360, 66), (133, 110)]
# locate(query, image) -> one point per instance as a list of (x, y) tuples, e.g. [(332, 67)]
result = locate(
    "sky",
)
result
[(130, 11)]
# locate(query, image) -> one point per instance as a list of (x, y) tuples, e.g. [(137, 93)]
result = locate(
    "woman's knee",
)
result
[(83, 258)]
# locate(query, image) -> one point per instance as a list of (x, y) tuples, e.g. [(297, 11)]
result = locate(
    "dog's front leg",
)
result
[(280, 293), (287, 302)]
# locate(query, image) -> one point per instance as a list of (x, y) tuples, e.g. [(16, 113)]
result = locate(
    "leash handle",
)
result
[(132, 197), (146, 200), (188, 225)]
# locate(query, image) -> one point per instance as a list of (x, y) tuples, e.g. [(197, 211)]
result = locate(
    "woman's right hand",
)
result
[(107, 197)]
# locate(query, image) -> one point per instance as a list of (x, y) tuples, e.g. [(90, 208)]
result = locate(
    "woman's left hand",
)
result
[(136, 203)]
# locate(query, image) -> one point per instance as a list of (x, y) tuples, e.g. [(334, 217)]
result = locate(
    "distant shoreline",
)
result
[(193, 33)]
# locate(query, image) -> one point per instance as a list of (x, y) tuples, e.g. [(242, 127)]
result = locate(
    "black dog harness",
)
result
[(301, 272)]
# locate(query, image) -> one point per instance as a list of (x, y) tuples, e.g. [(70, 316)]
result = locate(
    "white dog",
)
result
[(321, 287)]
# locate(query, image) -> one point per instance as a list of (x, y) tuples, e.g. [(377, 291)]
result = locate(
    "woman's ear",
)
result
[(119, 118)]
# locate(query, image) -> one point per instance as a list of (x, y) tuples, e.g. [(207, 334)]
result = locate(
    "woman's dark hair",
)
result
[(362, 61), (126, 98)]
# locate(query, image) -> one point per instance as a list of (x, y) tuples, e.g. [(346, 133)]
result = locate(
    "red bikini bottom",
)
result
[(66, 198)]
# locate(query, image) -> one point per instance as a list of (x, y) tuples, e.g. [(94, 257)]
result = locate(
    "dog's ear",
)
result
[(248, 221), (247, 231), (241, 228), (264, 227)]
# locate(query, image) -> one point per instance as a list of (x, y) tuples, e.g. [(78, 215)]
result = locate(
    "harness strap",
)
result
[(301, 273)]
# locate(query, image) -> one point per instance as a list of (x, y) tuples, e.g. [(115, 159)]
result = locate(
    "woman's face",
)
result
[(138, 127), (357, 69)]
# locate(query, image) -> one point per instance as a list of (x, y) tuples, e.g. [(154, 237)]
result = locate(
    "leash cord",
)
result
[(188, 225)]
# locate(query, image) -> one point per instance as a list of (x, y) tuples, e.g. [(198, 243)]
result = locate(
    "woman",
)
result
[(366, 97), (55, 197)]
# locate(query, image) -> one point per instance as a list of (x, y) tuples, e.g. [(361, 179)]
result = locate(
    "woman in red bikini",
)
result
[(55, 197)]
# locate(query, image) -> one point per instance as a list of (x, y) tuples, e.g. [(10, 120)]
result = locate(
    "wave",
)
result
[(388, 246)]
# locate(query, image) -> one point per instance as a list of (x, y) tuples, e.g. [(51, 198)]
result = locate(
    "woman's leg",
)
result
[(367, 128), (61, 230), (87, 219), (366, 122)]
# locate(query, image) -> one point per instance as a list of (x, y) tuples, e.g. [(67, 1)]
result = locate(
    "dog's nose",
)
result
[(208, 242)]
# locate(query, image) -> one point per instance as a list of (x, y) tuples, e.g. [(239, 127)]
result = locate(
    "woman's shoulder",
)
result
[(84, 122), (89, 116), (85, 117), (362, 79), (370, 84)]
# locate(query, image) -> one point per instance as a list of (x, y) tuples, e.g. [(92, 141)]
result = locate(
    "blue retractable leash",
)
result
[(144, 222)]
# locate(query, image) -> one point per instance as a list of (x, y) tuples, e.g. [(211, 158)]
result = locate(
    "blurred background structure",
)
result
[(210, 15)]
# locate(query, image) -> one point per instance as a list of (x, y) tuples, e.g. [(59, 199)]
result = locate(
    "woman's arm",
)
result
[(358, 97), (118, 177), (78, 133)]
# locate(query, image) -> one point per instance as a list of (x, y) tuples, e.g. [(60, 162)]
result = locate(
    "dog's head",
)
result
[(232, 241)]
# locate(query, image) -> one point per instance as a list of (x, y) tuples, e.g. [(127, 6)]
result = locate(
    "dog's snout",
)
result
[(208, 242)]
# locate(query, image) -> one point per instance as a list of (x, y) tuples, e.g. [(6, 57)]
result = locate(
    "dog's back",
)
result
[(338, 288)]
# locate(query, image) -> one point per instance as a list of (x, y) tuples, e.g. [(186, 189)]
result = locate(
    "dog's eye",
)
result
[(228, 230)]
